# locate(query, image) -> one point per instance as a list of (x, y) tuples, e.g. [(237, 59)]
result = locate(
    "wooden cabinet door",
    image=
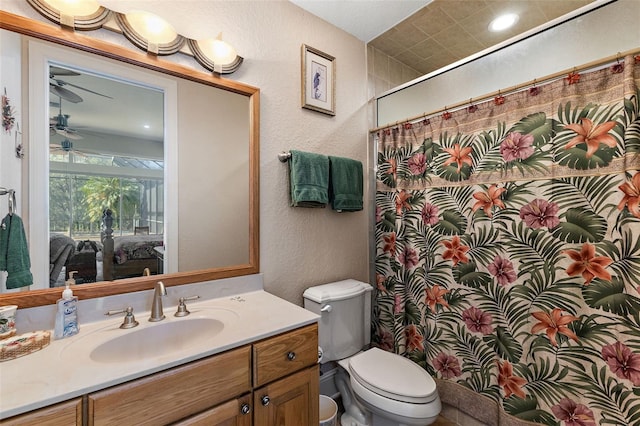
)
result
[(175, 394), (237, 412), (291, 401), (64, 414)]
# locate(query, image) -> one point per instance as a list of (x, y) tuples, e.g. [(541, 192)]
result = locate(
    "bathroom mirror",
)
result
[(215, 182)]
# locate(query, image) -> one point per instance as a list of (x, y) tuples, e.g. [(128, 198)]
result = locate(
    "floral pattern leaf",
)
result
[(526, 409), (452, 223), (468, 275), (504, 345), (539, 126), (576, 158), (610, 297), (581, 226)]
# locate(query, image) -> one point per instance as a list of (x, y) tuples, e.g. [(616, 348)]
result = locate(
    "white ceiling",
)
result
[(365, 19)]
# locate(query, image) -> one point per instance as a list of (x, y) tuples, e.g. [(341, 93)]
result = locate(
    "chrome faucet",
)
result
[(156, 306)]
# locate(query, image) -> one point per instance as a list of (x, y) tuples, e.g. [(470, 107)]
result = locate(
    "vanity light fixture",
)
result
[(215, 55), (145, 30), (150, 32), (503, 22), (75, 14)]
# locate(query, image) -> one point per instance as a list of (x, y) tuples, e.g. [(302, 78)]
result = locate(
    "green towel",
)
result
[(346, 184), (14, 252), (309, 174)]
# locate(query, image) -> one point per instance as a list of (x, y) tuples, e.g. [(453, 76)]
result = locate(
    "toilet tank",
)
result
[(345, 317)]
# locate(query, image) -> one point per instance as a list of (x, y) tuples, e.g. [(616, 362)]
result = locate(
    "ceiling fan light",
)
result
[(503, 22), (151, 27)]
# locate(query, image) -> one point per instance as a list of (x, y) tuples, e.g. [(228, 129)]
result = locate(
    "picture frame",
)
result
[(318, 81)]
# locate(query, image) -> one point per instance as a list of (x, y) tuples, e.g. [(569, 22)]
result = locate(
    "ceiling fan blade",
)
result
[(83, 88), (65, 94), (53, 70), (69, 134)]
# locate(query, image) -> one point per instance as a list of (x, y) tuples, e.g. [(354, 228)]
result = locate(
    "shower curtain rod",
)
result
[(593, 64)]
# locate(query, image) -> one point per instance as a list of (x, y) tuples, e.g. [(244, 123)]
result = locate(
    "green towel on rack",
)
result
[(309, 175), (14, 252), (345, 186)]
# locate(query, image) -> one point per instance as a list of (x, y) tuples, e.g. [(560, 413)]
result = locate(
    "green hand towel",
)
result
[(345, 184), (14, 253), (309, 174)]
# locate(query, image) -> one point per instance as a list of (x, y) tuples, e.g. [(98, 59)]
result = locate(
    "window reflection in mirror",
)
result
[(106, 153)]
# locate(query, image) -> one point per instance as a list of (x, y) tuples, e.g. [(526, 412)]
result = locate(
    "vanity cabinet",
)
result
[(286, 379), (64, 414), (175, 394), (274, 381), (270, 382)]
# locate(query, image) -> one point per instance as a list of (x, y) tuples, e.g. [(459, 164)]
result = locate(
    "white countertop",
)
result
[(64, 370)]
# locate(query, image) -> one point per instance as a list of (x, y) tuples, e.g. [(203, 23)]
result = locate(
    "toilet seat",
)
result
[(392, 376)]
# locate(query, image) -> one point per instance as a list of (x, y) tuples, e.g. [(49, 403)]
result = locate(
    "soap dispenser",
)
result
[(66, 314)]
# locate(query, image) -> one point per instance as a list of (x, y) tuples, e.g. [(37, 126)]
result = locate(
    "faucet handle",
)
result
[(182, 307), (129, 319)]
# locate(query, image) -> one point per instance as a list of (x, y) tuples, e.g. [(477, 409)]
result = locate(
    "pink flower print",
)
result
[(409, 258), (624, 363), (430, 214), (386, 341), (573, 414), (417, 164), (447, 365), (378, 214), (398, 305), (516, 146), (477, 320), (503, 270), (380, 279), (414, 338), (540, 213)]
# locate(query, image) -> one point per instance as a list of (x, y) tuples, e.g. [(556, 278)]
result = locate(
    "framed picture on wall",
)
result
[(318, 81)]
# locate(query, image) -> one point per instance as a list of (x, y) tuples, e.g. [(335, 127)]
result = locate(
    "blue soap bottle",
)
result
[(67, 313)]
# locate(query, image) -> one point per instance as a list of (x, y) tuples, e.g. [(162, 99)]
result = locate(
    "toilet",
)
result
[(378, 388)]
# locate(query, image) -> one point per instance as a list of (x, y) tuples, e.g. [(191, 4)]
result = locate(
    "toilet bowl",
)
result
[(378, 388), (389, 390)]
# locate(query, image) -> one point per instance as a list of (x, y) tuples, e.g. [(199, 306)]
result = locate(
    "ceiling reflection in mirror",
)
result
[(106, 153), (205, 158)]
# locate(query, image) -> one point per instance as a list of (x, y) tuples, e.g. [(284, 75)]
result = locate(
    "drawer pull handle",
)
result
[(265, 400), (291, 356), (245, 409)]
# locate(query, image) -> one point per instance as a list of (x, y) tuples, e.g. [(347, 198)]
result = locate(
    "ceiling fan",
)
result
[(56, 85), (60, 124)]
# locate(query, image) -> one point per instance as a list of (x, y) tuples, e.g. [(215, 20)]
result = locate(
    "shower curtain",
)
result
[(508, 247)]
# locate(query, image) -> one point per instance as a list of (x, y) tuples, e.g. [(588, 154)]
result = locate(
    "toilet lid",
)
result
[(393, 376)]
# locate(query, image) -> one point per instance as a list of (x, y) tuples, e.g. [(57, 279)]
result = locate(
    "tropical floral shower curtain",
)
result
[(508, 248)]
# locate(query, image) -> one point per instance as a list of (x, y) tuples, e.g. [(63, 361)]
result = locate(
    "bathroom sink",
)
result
[(157, 340)]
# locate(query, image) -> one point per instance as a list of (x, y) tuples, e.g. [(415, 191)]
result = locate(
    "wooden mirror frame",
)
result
[(69, 38)]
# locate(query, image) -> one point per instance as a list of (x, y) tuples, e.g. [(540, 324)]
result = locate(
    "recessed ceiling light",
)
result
[(503, 22), (146, 126)]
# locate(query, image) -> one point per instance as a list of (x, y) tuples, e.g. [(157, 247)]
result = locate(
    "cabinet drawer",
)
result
[(175, 394), (63, 414), (284, 354), (227, 414)]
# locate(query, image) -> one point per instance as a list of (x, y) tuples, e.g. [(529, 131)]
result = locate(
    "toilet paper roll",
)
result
[(320, 353)]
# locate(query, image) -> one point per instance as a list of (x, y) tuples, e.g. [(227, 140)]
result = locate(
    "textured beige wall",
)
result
[(298, 247)]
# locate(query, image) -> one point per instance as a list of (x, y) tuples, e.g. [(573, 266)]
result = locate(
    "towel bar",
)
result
[(284, 156), (12, 198)]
